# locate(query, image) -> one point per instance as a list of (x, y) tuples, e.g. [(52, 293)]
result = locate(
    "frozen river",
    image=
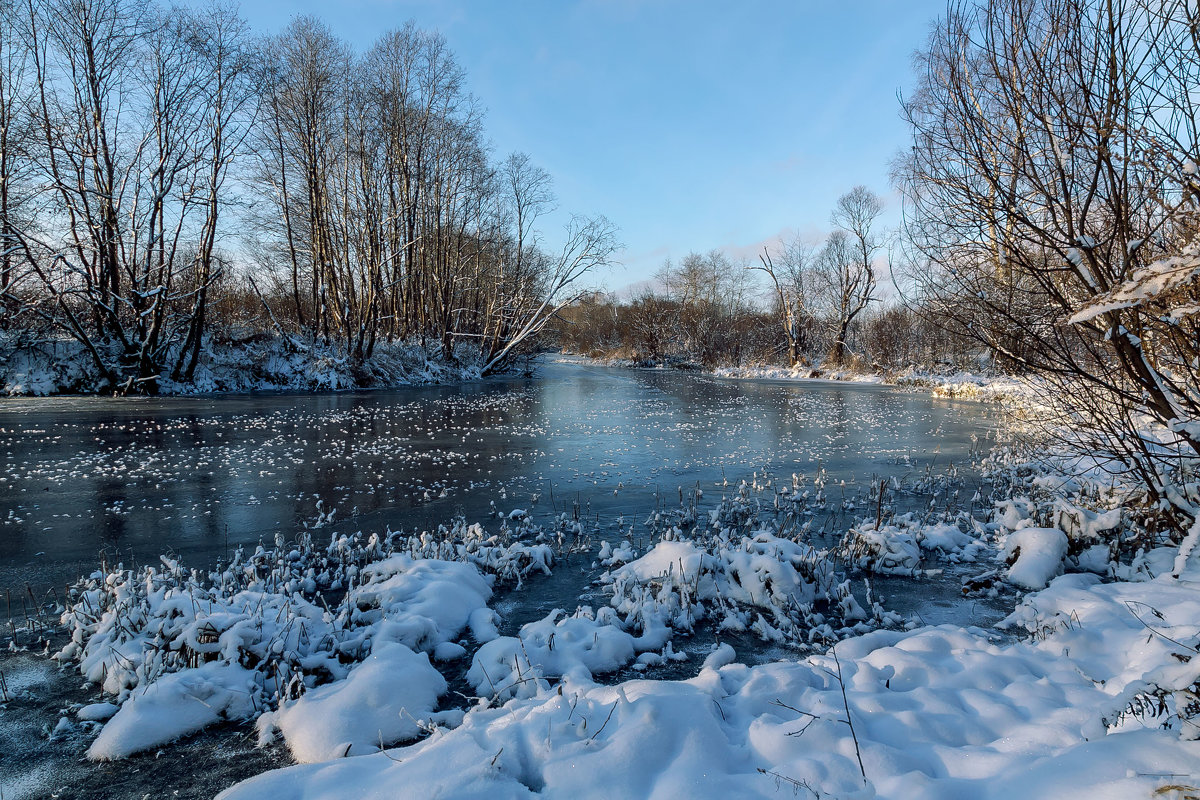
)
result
[(134, 478)]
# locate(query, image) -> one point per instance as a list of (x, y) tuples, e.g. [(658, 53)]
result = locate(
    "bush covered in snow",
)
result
[(179, 650)]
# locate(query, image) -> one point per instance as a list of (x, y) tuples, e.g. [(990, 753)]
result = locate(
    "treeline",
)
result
[(159, 163), (800, 304)]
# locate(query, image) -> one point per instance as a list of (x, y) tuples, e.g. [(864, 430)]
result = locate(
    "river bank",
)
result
[(988, 387), (253, 363)]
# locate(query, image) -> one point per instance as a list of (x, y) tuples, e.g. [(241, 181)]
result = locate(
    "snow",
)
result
[(579, 645), (937, 712), (1035, 555), (253, 362), (97, 712), (1148, 284), (379, 703), (797, 373), (174, 706), (179, 651)]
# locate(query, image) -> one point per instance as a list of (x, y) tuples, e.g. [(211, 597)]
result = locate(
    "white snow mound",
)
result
[(1036, 556), (378, 704)]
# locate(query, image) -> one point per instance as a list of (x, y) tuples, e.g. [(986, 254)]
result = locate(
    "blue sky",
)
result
[(691, 125)]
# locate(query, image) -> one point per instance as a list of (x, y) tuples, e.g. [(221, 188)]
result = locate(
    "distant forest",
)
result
[(827, 306)]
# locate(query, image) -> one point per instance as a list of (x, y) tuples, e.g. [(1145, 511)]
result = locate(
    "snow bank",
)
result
[(937, 712), (174, 706), (797, 373), (899, 546), (251, 363), (743, 573), (379, 703), (580, 645), (178, 650), (1010, 389)]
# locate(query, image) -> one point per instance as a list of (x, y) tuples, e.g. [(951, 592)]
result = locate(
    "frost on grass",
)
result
[(297, 635)]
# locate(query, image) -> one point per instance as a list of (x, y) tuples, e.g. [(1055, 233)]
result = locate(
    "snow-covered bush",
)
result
[(742, 573), (292, 632)]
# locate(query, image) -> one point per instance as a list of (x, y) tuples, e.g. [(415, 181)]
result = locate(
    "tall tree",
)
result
[(845, 268)]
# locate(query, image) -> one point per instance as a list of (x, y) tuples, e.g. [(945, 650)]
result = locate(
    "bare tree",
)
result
[(374, 209), (844, 270), (1051, 166), (118, 120), (16, 96), (789, 270), (220, 41), (589, 243)]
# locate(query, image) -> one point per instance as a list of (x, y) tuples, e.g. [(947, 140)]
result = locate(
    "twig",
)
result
[(849, 721), (606, 719), (1129, 604), (795, 784)]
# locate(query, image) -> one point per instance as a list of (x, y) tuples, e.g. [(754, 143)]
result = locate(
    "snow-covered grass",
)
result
[(178, 650), (252, 363), (743, 572), (973, 386), (339, 649), (1099, 704), (898, 546), (798, 373)]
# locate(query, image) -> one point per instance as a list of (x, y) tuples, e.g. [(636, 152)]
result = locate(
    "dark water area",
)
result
[(197, 476)]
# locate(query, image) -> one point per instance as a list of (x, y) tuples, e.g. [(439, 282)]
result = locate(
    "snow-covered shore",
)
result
[(965, 385), (254, 364), (936, 712), (1089, 690)]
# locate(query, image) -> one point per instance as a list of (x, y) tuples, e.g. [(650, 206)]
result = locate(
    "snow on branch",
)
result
[(1147, 285)]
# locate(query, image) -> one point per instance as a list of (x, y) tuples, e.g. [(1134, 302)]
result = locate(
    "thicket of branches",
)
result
[(1052, 203), (798, 304), (159, 163)]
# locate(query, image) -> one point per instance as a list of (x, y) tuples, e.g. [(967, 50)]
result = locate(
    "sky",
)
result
[(691, 125)]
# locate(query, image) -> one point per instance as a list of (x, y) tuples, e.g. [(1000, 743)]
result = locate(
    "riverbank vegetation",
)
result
[(171, 185)]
